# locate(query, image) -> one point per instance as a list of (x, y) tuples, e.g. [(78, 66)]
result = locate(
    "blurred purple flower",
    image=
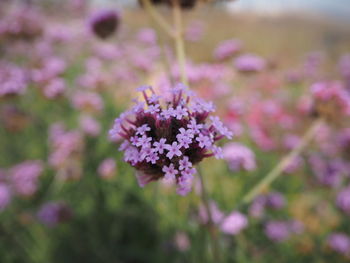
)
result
[(13, 80), (343, 200), (340, 243), (66, 147), (328, 172), (104, 23), (55, 88), (87, 101), (54, 213), (250, 63), (294, 165), (89, 125), (227, 49), (107, 168), (182, 241), (239, 157), (25, 177), (275, 200), (330, 99), (147, 36), (234, 223), (280, 231)]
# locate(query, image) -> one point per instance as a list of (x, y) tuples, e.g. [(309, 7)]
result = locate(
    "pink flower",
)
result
[(234, 223), (107, 168)]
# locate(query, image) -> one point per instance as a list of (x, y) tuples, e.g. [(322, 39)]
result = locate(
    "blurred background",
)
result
[(273, 69)]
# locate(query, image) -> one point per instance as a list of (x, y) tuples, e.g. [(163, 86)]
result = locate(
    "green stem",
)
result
[(179, 42), (157, 17), (280, 167), (210, 224)]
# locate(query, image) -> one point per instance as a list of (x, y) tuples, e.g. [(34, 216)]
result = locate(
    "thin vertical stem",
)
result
[(210, 224), (157, 17), (280, 167), (179, 41)]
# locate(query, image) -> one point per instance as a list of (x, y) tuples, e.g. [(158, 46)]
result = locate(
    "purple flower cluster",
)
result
[(234, 223), (21, 23), (231, 224), (227, 48), (13, 80), (147, 36), (104, 23), (25, 177), (107, 168), (55, 88), (87, 101), (343, 200), (54, 213), (66, 147), (250, 63), (165, 136), (330, 99), (239, 157), (328, 172), (340, 243), (274, 200), (280, 231), (89, 125)]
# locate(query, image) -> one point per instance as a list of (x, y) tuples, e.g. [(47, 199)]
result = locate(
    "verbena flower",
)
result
[(147, 36), (107, 168), (53, 213), (231, 224), (330, 99), (54, 88), (21, 24), (343, 200), (273, 200), (87, 101), (13, 80), (280, 231), (89, 125), (234, 223), (104, 23), (328, 172), (165, 136), (340, 243), (25, 177), (227, 48), (250, 63), (239, 157), (66, 149)]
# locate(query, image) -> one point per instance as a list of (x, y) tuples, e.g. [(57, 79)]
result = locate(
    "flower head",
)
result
[(104, 22), (239, 157), (250, 63), (166, 136), (53, 213), (330, 99), (340, 243)]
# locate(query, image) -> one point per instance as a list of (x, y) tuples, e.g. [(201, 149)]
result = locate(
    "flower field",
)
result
[(172, 131)]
